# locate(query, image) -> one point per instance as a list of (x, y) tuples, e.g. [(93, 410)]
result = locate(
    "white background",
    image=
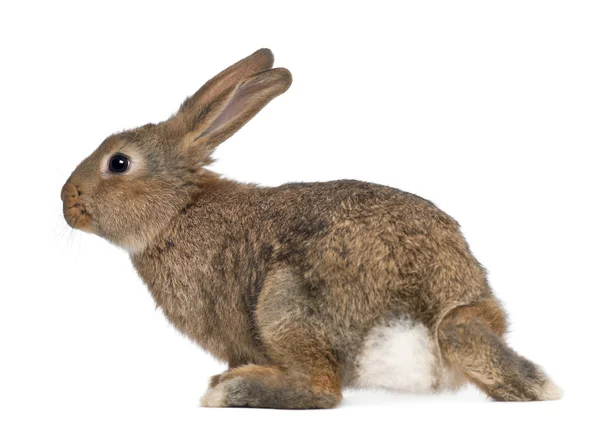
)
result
[(489, 109)]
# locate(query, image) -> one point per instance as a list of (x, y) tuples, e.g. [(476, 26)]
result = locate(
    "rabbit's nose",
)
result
[(74, 209), (69, 192)]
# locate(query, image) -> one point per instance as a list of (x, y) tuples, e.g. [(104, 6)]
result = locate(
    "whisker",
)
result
[(79, 237), (61, 231), (72, 234)]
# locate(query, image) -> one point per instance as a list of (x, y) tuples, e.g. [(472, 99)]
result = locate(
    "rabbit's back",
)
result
[(381, 247)]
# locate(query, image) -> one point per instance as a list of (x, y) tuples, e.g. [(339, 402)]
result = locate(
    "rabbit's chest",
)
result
[(207, 313), (215, 326)]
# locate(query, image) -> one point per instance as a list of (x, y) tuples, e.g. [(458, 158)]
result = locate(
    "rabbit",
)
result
[(302, 289)]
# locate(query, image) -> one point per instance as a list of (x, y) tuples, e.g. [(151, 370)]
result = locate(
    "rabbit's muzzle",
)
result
[(74, 208)]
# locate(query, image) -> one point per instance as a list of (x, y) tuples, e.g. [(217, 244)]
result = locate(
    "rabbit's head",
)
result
[(137, 180)]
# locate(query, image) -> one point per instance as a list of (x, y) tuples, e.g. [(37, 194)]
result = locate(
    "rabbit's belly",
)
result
[(401, 355)]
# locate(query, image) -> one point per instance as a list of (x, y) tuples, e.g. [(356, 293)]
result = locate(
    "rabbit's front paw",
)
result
[(271, 387)]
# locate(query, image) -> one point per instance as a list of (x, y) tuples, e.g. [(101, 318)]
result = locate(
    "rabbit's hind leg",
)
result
[(470, 338)]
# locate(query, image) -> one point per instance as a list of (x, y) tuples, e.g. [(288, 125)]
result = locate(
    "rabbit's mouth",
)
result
[(74, 209)]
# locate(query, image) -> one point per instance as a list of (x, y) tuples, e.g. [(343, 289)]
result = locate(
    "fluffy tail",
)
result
[(471, 340)]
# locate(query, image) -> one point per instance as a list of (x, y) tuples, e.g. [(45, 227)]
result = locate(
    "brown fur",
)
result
[(470, 338), (284, 283), (488, 312)]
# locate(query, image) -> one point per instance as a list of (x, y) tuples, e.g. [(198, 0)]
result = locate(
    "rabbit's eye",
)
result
[(118, 163)]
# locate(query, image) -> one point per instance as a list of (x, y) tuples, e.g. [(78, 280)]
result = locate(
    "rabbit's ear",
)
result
[(258, 61), (230, 100), (230, 111)]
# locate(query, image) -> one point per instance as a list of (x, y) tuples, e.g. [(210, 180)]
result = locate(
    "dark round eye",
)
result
[(118, 163)]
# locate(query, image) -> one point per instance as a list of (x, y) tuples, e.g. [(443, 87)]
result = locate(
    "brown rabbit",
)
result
[(305, 288)]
